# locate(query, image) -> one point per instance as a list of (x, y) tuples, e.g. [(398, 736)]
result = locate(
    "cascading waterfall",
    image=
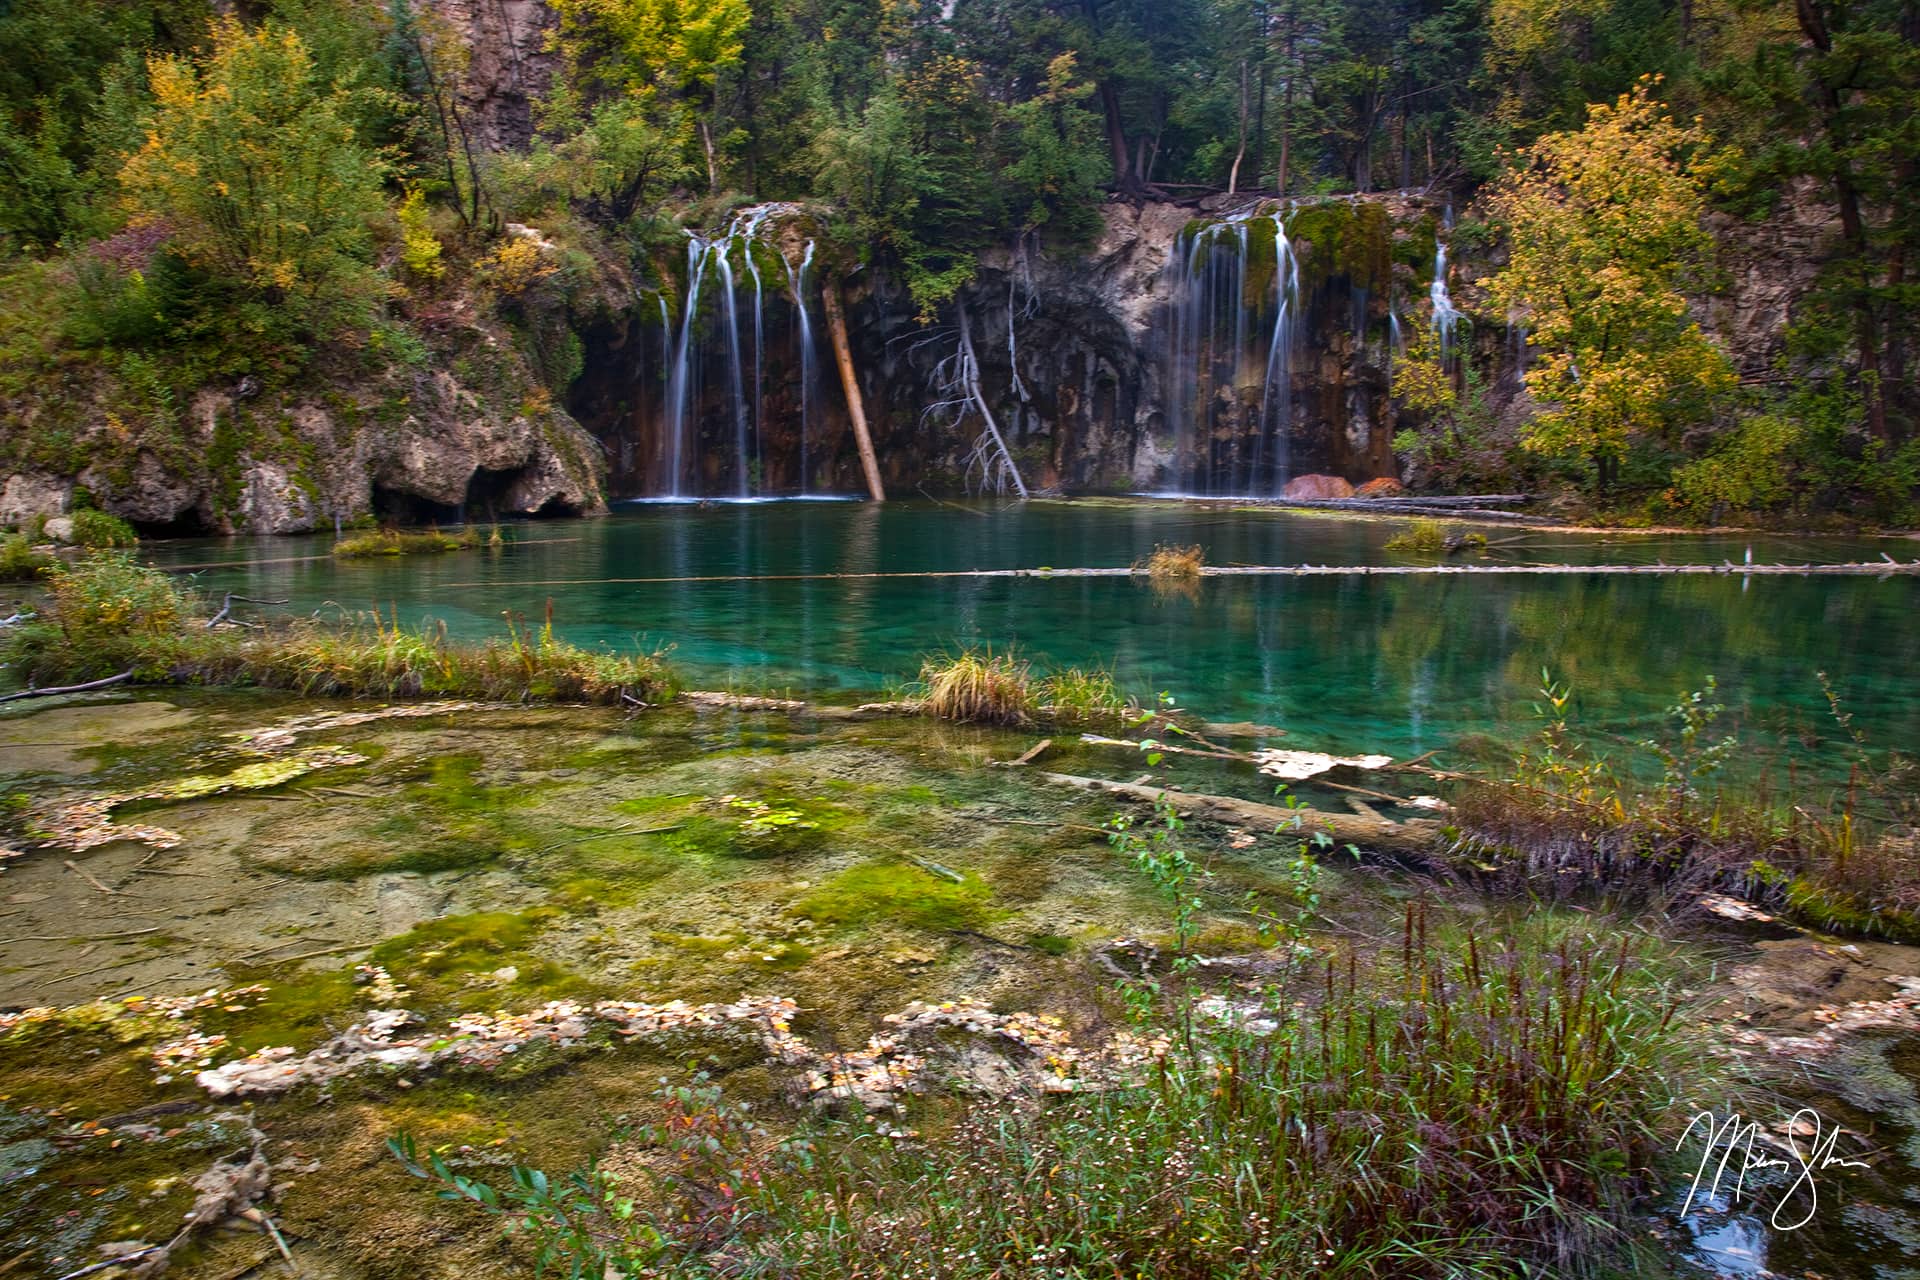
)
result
[(1446, 317), (682, 388), (1276, 411), (748, 413), (809, 366), (1230, 354)]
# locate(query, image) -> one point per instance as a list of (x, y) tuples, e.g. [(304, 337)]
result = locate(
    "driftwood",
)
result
[(740, 701), (1028, 756), (226, 610), (1416, 837), (56, 691)]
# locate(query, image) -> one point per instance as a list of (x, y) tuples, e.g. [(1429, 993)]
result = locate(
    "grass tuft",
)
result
[(1425, 537), (1173, 564), (979, 687)]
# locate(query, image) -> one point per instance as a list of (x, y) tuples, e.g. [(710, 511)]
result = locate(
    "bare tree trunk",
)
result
[(713, 169), (1233, 177), (856, 406), (970, 370)]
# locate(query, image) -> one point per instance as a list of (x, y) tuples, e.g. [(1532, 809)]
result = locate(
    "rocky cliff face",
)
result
[(508, 65), (1188, 348), (462, 431)]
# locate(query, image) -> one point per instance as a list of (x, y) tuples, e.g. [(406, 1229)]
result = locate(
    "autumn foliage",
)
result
[(1607, 237)]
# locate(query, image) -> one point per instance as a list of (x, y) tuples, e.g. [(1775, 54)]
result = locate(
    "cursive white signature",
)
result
[(1735, 1135)]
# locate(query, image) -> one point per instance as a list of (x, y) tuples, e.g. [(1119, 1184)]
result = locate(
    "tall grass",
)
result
[(1447, 1107), (1568, 820), (108, 615)]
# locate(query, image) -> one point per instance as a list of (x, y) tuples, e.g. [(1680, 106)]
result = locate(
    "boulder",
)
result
[(59, 529), (1315, 488), (26, 496), (1380, 487)]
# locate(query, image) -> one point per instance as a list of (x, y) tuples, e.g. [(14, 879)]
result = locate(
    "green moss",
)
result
[(897, 892), (1052, 944), (1351, 240), (300, 1010), (451, 788)]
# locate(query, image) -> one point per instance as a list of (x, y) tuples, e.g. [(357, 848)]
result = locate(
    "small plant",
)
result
[(979, 687)]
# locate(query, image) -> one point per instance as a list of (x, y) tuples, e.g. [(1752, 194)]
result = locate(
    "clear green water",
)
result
[(1399, 665)]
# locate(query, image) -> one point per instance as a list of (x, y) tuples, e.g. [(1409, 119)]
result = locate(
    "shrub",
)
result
[(420, 248), (20, 561), (108, 595), (98, 531)]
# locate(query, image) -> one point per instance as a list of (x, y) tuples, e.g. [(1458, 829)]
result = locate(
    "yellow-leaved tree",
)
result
[(667, 54), (254, 167), (1605, 231)]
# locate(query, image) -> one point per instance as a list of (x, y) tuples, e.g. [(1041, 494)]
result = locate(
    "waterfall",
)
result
[(716, 254), (1230, 355), (809, 365), (1446, 317), (682, 391), (1278, 389)]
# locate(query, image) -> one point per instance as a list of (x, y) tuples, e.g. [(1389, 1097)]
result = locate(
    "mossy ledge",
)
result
[(109, 615)]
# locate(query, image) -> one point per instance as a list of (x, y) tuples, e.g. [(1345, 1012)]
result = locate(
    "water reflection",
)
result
[(1398, 665)]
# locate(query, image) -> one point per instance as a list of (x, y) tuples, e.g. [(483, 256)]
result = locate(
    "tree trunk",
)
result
[(713, 170), (1233, 176), (1116, 138), (856, 405)]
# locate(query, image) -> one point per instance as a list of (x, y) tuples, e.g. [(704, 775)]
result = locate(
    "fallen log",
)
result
[(850, 383), (57, 690), (1416, 837)]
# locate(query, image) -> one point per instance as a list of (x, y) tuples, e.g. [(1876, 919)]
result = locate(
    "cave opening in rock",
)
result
[(397, 506), (191, 523)]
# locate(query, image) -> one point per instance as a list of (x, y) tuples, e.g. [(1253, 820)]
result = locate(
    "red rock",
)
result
[(1313, 488), (1380, 487)]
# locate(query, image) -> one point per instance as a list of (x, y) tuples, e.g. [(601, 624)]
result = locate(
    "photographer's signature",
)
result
[(1736, 1145)]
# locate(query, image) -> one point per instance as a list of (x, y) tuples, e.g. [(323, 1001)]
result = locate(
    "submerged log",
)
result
[(856, 405), (1415, 837)]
